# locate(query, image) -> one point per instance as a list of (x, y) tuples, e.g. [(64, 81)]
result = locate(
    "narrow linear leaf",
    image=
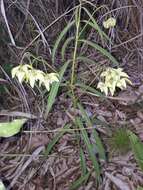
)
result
[(137, 148), (2, 187), (84, 115), (65, 45), (82, 162), (101, 50), (99, 144), (98, 141), (54, 89), (95, 25), (62, 34), (86, 60), (79, 181), (102, 34), (9, 129), (89, 147), (90, 89), (56, 139)]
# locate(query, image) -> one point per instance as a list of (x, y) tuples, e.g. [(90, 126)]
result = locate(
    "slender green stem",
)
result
[(78, 15)]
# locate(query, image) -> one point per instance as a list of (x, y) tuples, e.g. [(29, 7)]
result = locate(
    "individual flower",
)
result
[(21, 72), (49, 79), (103, 87), (35, 75)]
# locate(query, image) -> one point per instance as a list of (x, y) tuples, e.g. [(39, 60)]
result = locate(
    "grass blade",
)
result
[(62, 34), (98, 141), (90, 89), (95, 25), (79, 181), (82, 162), (102, 34), (86, 60), (89, 147), (67, 42), (56, 139), (100, 146), (54, 89), (137, 148), (101, 50)]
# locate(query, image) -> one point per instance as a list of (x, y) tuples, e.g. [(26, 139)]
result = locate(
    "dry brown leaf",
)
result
[(127, 97), (105, 113), (140, 115), (38, 140), (118, 182)]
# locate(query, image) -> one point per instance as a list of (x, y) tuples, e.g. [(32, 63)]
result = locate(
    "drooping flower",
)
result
[(49, 79), (31, 75), (113, 78), (21, 72)]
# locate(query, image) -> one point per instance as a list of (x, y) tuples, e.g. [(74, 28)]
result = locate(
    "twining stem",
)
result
[(78, 16)]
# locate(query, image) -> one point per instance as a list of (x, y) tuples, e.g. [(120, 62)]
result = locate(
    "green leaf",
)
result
[(79, 181), (119, 141), (102, 34), (7, 68), (100, 147), (98, 141), (101, 50), (66, 44), (56, 139), (11, 128), (86, 60), (55, 88), (62, 34), (89, 147), (2, 187), (137, 148), (95, 25), (89, 89), (82, 162), (140, 188)]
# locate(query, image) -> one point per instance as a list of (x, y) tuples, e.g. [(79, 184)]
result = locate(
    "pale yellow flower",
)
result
[(30, 75), (20, 72), (113, 78), (103, 87), (109, 23), (49, 79)]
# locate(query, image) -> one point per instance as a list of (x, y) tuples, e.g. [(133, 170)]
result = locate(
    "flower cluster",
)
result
[(113, 78), (30, 75), (109, 23)]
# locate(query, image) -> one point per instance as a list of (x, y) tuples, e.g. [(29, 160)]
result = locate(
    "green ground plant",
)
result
[(78, 41)]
